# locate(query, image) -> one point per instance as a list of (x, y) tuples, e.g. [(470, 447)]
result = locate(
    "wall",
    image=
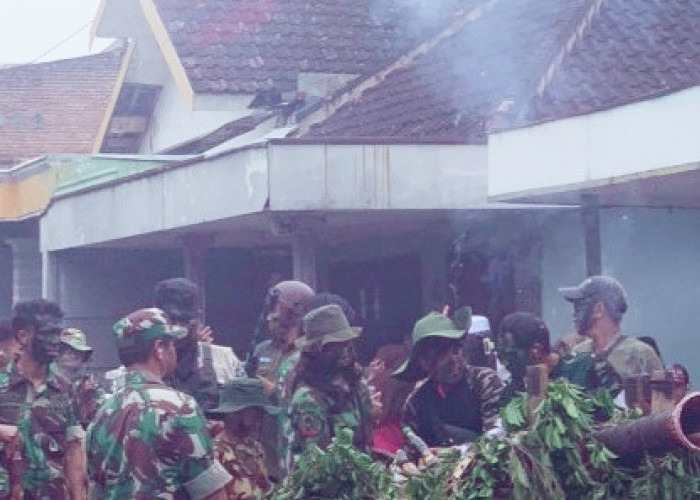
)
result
[(616, 142), (97, 287), (376, 176), (172, 111), (215, 189), (655, 254)]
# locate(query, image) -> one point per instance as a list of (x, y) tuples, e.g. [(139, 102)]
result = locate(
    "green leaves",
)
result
[(339, 472), (549, 454), (514, 414)]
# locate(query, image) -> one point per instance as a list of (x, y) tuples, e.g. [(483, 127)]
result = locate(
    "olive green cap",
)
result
[(434, 324)]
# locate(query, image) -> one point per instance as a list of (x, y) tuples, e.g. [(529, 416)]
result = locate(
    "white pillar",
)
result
[(51, 276), (26, 268)]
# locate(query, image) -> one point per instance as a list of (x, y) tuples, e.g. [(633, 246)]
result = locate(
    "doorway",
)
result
[(386, 294)]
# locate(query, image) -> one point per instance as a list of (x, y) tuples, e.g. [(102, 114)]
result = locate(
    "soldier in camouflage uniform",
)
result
[(195, 373), (599, 303), (456, 402), (73, 355), (42, 450), (329, 391), (275, 358), (524, 340), (242, 406), (8, 343), (149, 440)]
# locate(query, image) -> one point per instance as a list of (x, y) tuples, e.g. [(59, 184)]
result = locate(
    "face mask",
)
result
[(247, 422), (513, 358), (46, 344), (583, 320), (340, 354), (515, 361)]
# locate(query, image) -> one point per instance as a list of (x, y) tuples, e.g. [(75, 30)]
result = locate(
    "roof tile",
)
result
[(54, 107), (249, 37), (450, 92), (633, 50)]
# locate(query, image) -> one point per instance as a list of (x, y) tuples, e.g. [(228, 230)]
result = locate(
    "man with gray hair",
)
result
[(599, 303)]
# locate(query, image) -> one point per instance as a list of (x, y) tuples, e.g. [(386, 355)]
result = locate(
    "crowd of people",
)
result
[(186, 418)]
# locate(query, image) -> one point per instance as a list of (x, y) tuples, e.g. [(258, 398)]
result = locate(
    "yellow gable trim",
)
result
[(168, 50), (119, 82)]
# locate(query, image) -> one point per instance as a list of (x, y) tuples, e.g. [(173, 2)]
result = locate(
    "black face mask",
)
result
[(514, 360), (583, 312), (340, 355), (46, 344)]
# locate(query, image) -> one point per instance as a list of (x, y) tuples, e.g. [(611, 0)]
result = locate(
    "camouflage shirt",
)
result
[(628, 356), (151, 441), (89, 397), (315, 416), (47, 421), (276, 364), (469, 407), (244, 459)]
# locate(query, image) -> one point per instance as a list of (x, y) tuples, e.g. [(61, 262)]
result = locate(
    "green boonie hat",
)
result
[(76, 339), (145, 325), (434, 324), (325, 325), (241, 393)]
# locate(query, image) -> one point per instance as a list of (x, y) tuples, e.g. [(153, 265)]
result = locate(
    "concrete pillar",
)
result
[(590, 212), (194, 252), (304, 259), (26, 268), (51, 276)]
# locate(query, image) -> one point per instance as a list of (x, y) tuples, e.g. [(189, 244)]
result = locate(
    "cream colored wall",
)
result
[(634, 139)]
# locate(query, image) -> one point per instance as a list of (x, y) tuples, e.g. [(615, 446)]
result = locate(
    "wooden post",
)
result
[(194, 251), (536, 381)]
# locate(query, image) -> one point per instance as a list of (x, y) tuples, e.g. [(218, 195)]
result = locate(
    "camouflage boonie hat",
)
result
[(241, 393), (76, 339), (325, 325), (145, 325)]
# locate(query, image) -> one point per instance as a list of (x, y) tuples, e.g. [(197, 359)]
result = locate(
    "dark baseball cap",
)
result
[(602, 288)]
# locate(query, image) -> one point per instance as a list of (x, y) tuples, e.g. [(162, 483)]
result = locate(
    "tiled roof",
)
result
[(450, 92), (54, 107), (230, 46), (632, 50)]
